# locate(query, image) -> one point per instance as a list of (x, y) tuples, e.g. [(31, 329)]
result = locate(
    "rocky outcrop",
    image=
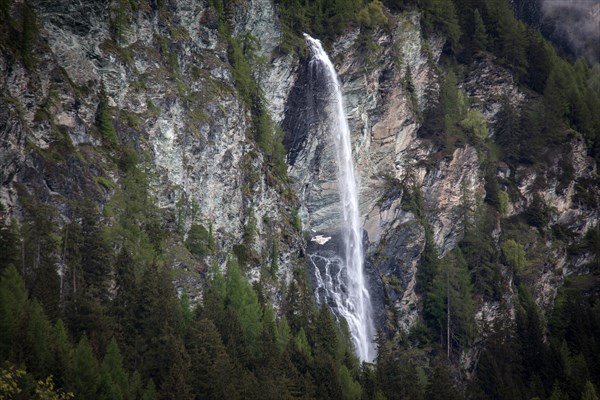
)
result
[(165, 76), (392, 160), (384, 119), (490, 85)]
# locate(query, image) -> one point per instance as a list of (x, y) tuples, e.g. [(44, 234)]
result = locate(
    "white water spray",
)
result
[(344, 285)]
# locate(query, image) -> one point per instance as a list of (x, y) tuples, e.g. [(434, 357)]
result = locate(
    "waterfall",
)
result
[(343, 280)]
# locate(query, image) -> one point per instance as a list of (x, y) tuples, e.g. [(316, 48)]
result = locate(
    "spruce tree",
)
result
[(13, 309), (480, 38), (83, 376)]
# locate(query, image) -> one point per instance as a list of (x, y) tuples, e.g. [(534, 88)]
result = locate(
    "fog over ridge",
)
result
[(577, 23)]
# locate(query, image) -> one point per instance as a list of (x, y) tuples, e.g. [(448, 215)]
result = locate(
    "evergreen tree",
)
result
[(95, 252), (242, 301), (61, 350), (530, 336), (589, 393), (428, 264), (449, 306), (114, 380), (441, 386), (540, 58), (40, 258), (480, 38), (299, 305), (9, 242), (440, 16), (212, 372), (150, 392), (37, 340), (83, 376), (13, 308)]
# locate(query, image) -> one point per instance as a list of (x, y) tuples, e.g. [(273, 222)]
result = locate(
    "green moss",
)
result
[(296, 221), (503, 200), (198, 115), (105, 182), (153, 110), (105, 124)]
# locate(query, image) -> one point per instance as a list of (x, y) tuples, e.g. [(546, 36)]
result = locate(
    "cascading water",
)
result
[(342, 281)]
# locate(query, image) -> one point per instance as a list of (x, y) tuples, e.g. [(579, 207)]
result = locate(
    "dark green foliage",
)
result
[(397, 375), (29, 33), (539, 63), (105, 124), (481, 253), (200, 241), (449, 307), (116, 280), (9, 242), (39, 257), (13, 307), (60, 349), (84, 375), (323, 19), (241, 301), (428, 265), (480, 38), (537, 213), (440, 16), (113, 378), (120, 21), (441, 386), (95, 252), (499, 369), (590, 392), (530, 335)]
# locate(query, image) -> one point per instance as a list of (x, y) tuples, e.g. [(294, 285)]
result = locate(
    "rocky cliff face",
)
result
[(168, 83), (165, 75), (391, 158)]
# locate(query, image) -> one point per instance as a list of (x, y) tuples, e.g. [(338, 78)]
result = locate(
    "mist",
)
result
[(574, 24)]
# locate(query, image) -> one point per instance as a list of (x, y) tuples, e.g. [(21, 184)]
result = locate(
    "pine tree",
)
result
[(123, 307), (480, 38), (9, 242), (40, 251), (530, 336), (589, 393), (449, 308), (83, 376), (242, 300), (37, 340), (13, 308), (150, 392), (95, 254), (176, 386), (441, 386), (61, 350), (104, 122), (112, 371)]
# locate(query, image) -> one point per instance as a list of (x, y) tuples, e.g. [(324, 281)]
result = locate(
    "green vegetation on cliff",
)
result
[(87, 305)]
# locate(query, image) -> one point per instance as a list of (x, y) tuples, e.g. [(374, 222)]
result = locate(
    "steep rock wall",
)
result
[(169, 85), (168, 81)]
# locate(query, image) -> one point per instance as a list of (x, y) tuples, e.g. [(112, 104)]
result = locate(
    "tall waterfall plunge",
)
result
[(341, 282)]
